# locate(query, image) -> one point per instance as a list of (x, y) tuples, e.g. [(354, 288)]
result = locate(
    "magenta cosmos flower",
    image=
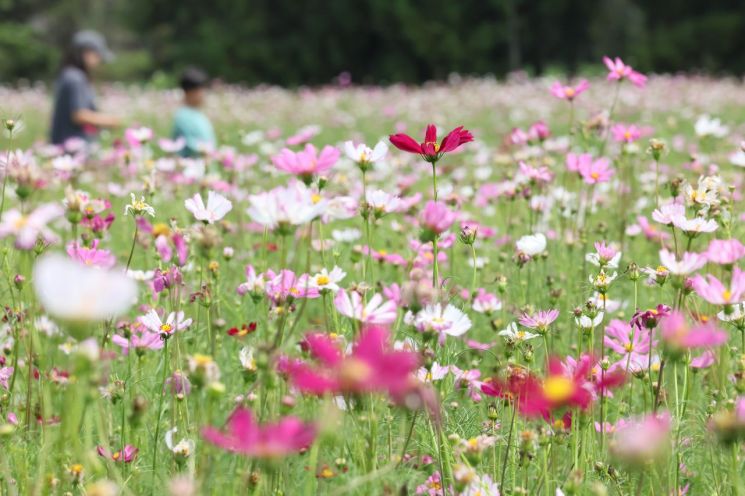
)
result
[(272, 440), (430, 150), (308, 162), (437, 217), (126, 454), (568, 92), (373, 365), (712, 290), (618, 71)]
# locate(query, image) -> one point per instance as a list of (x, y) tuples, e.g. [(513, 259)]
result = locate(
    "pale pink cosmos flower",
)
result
[(618, 71), (217, 207), (678, 335), (27, 229), (539, 320), (280, 287), (92, 255), (143, 341), (596, 171), (376, 311), (704, 360), (437, 217), (308, 162), (126, 455), (690, 262), (569, 92), (540, 175), (575, 162), (669, 214), (712, 290), (604, 256), (165, 328), (5, 374), (470, 379), (485, 302), (643, 440), (694, 226), (725, 251), (272, 440)]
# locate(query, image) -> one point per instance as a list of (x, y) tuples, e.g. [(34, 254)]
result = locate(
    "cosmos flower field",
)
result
[(530, 287)]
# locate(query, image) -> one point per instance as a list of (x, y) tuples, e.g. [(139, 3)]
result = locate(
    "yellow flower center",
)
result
[(166, 328), (202, 360), (382, 253), (20, 222), (116, 456), (627, 135), (558, 388), (629, 346), (569, 92), (161, 229), (434, 145), (726, 295), (315, 198), (595, 175), (322, 280), (354, 371)]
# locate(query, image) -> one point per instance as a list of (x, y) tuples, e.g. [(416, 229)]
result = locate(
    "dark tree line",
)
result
[(377, 41)]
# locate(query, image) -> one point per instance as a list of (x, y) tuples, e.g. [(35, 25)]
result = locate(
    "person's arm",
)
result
[(89, 117)]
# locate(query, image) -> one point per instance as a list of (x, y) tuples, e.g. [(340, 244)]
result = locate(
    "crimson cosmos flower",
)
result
[(430, 150)]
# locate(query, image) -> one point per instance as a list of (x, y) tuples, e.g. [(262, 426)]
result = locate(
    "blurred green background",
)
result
[(294, 42)]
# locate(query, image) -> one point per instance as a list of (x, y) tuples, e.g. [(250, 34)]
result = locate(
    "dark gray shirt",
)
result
[(72, 92)]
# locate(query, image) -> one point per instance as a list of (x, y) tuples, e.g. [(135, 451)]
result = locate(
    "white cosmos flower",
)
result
[(696, 225), (326, 280), (346, 235), (382, 203), (293, 205), (513, 334), (445, 321), (363, 154), (246, 356), (217, 207), (183, 448), (708, 126), (75, 292), (138, 207), (585, 322), (690, 262), (738, 158), (174, 322), (531, 245)]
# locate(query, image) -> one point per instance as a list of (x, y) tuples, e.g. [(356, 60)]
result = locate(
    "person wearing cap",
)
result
[(190, 124), (75, 113)]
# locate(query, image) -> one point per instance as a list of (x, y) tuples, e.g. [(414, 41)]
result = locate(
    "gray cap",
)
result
[(92, 40)]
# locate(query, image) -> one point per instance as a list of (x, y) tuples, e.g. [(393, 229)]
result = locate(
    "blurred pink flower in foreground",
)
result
[(712, 290), (678, 335), (373, 365), (272, 440)]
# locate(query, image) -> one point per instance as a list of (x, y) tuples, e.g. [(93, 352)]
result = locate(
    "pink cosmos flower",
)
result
[(285, 285), (623, 133), (5, 374), (372, 365), (704, 360), (540, 175), (125, 455), (485, 302), (640, 441), (618, 71), (139, 342), (539, 131), (27, 229), (574, 162), (596, 171), (725, 251), (568, 92), (622, 338), (272, 440), (712, 290), (431, 487), (430, 150), (540, 320), (308, 162), (468, 379), (679, 336), (437, 217), (173, 323), (376, 311), (91, 255)]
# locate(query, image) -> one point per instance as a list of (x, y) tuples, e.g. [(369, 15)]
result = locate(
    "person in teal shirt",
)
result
[(189, 122)]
